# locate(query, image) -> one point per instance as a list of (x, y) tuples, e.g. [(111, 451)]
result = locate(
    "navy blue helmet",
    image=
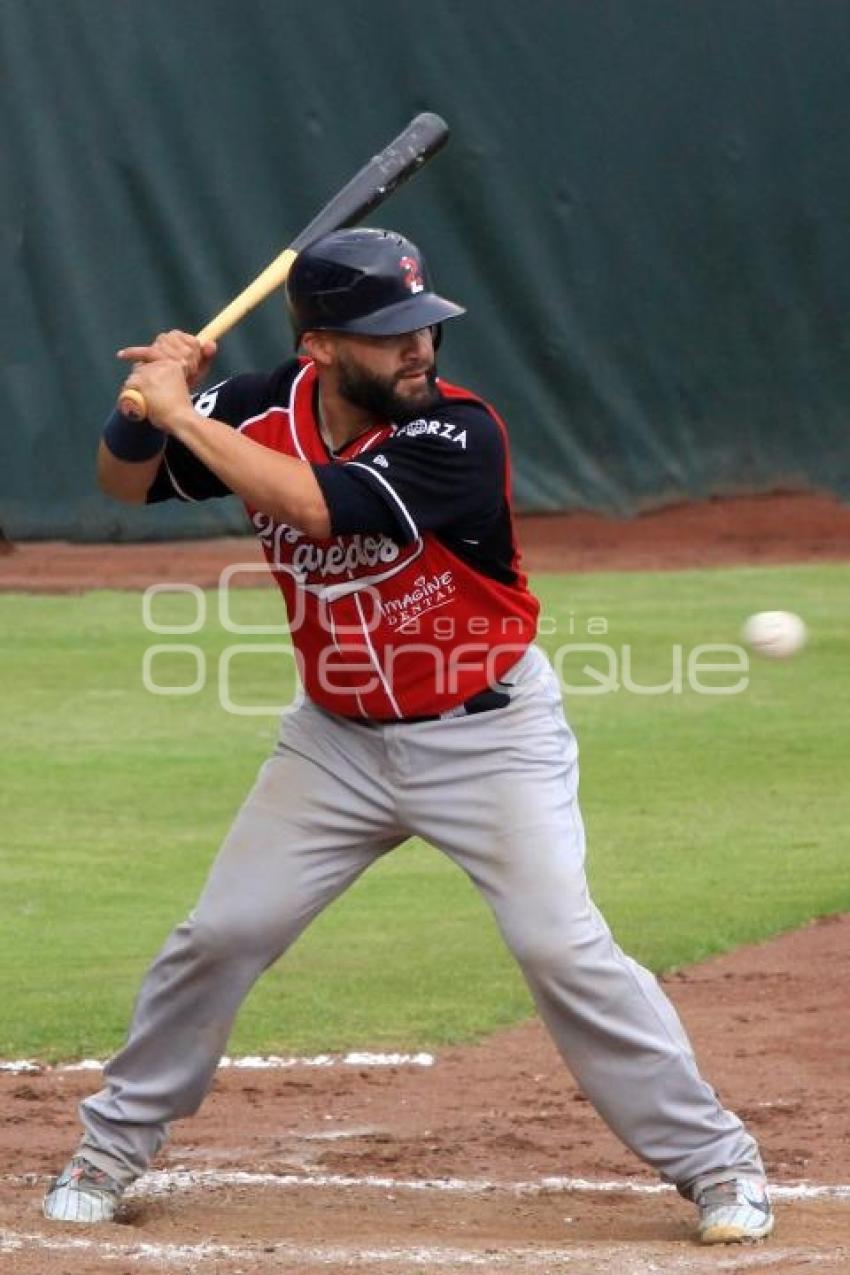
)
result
[(364, 280)]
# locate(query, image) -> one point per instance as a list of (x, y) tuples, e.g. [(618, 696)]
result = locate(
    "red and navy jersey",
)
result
[(416, 600)]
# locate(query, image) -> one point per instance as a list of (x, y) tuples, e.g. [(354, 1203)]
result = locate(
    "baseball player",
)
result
[(381, 496)]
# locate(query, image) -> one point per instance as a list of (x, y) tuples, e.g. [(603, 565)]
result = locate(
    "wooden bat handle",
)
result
[(132, 403), (274, 275)]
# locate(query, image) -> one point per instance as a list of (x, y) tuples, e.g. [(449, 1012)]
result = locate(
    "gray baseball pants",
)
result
[(497, 792)]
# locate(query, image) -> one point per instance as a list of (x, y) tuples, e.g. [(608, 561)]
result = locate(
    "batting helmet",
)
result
[(364, 280)]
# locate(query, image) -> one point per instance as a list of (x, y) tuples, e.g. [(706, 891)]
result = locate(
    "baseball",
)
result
[(775, 634)]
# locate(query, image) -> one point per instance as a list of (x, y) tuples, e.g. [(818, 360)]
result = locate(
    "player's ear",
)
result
[(320, 347)]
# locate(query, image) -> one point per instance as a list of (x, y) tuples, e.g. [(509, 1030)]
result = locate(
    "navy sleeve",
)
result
[(446, 470), (181, 476)]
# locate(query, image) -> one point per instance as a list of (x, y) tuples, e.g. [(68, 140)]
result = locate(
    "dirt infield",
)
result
[(394, 1170), (343, 1149), (795, 527)]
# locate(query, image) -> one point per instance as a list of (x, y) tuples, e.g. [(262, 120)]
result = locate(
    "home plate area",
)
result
[(487, 1160), (216, 1223)]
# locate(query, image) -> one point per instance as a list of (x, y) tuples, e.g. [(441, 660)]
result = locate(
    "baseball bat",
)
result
[(375, 182)]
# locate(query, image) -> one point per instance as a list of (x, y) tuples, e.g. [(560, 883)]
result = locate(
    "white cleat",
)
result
[(734, 1212), (82, 1193)]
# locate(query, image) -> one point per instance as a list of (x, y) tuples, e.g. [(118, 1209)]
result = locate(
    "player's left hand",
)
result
[(163, 384)]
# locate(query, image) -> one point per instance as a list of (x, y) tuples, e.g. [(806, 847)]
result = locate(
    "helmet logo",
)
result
[(412, 274)]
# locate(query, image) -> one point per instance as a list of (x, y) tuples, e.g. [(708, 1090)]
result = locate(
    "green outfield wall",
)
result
[(645, 206)]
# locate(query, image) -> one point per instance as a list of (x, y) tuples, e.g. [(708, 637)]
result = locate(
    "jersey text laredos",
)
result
[(415, 602)]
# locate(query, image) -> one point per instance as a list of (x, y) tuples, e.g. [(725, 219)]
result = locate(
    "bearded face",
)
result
[(410, 389)]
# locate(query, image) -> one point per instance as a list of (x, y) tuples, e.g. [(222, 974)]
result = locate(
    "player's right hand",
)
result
[(194, 356)]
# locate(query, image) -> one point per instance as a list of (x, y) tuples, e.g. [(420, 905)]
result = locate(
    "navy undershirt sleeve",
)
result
[(353, 506)]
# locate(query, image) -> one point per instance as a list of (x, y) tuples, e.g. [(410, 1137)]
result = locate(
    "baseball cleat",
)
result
[(82, 1193), (734, 1211)]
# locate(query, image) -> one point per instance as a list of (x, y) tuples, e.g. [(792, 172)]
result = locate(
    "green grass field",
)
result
[(712, 820)]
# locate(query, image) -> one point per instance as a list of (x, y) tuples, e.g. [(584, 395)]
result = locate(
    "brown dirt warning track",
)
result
[(792, 527)]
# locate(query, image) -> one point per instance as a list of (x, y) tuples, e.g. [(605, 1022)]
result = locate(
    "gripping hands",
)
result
[(163, 375)]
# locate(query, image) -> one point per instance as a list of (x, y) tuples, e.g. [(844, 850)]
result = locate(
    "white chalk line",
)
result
[(523, 1258), (251, 1062), (168, 1182), (164, 1183)]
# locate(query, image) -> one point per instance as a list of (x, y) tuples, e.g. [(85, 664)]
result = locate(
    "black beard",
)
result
[(378, 395)]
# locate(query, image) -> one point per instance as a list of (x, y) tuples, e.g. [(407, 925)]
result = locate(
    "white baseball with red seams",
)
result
[(775, 634)]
